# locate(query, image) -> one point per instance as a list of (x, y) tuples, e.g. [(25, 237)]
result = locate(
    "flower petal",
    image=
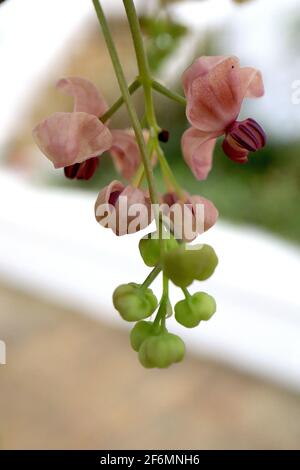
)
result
[(131, 211), (214, 98), (211, 213), (68, 138), (125, 153), (215, 88), (197, 149), (86, 96), (251, 82), (199, 67)]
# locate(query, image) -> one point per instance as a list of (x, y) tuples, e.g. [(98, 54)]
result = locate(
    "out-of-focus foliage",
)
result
[(241, 1), (163, 36)]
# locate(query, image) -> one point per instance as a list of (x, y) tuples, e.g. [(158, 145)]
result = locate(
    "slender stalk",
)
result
[(169, 173), (142, 61), (186, 293), (153, 275), (168, 93), (127, 99), (163, 307), (117, 104)]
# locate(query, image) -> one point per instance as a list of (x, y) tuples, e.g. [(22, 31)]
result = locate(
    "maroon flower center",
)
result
[(243, 137), (82, 171), (113, 197)]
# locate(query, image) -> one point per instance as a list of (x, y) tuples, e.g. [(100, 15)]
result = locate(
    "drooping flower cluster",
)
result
[(215, 88)]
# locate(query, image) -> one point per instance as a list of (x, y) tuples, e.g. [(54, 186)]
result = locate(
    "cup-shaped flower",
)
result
[(215, 88), (123, 209), (198, 307), (188, 217), (71, 138), (150, 248), (183, 265), (161, 351), (140, 332), (133, 302)]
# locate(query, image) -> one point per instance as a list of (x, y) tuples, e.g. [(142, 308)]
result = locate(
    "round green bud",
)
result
[(161, 351), (149, 247), (183, 265), (143, 357), (176, 267), (139, 333), (134, 303), (150, 250), (206, 262), (200, 306)]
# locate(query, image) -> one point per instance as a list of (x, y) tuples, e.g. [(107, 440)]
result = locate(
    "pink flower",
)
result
[(123, 209), (72, 138), (75, 140), (198, 221), (126, 153), (215, 88)]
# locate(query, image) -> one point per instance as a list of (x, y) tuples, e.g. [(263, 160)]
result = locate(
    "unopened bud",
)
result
[(133, 302), (199, 307)]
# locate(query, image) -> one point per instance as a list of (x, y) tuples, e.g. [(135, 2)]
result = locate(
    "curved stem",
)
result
[(135, 85), (169, 173), (150, 278), (127, 99), (168, 93)]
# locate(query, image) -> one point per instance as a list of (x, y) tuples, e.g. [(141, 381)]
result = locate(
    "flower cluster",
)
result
[(214, 89)]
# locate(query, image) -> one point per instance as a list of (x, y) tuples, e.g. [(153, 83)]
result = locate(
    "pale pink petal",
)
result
[(68, 138), (86, 96), (199, 67), (210, 211), (197, 149), (125, 153), (138, 216), (214, 98), (251, 82), (119, 208)]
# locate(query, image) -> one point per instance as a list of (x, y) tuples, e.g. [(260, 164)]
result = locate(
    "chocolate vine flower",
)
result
[(190, 217), (73, 138), (74, 141), (123, 209), (125, 152), (215, 88)]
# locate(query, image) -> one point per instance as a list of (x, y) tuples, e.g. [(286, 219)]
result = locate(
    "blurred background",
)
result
[(71, 379)]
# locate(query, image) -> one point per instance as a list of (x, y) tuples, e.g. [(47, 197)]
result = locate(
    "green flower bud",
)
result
[(150, 250), (183, 265), (149, 247), (134, 303), (200, 306), (161, 351), (139, 333), (207, 262)]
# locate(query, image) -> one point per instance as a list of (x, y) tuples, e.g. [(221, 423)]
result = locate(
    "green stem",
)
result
[(143, 66), (186, 293), (168, 93), (153, 275), (114, 108), (169, 173), (162, 311), (127, 99)]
